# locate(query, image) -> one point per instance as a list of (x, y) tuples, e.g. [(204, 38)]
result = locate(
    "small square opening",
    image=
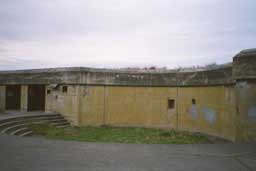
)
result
[(48, 91), (65, 89), (194, 101), (171, 103)]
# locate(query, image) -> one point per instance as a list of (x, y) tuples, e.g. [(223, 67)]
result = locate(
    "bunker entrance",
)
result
[(12, 97), (36, 97)]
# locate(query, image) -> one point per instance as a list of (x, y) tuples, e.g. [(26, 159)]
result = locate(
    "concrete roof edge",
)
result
[(121, 71), (246, 52)]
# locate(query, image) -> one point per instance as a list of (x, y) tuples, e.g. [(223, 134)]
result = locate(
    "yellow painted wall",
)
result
[(92, 105), (2, 98), (140, 106), (213, 112), (65, 103), (116, 106), (148, 107)]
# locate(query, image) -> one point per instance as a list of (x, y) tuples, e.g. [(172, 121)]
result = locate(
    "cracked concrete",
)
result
[(35, 153)]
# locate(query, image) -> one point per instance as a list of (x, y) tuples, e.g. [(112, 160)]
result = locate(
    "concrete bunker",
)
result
[(219, 102)]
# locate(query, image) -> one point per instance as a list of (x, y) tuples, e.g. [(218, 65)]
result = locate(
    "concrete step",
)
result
[(56, 121), (13, 128), (28, 133), (29, 120), (61, 124), (20, 131), (18, 126), (29, 117)]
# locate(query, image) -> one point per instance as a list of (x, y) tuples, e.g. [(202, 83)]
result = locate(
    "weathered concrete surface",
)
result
[(225, 97), (246, 110), (244, 65), (148, 107), (90, 76), (10, 114), (29, 154)]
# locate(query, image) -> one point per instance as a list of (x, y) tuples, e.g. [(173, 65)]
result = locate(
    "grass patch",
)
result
[(120, 135)]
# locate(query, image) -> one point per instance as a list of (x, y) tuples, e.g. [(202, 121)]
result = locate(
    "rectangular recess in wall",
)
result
[(13, 97), (48, 91), (171, 103), (36, 97), (65, 89)]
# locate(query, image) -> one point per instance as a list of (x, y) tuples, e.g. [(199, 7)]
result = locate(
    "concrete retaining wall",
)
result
[(219, 102)]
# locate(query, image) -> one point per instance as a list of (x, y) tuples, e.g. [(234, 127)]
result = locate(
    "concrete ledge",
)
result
[(244, 65), (91, 76)]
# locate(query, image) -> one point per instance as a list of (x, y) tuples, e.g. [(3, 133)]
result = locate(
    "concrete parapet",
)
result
[(244, 65), (222, 76)]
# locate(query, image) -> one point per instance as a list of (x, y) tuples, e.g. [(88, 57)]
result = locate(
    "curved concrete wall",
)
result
[(224, 98), (88, 76)]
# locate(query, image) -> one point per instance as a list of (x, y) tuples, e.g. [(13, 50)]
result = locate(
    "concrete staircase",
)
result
[(19, 125)]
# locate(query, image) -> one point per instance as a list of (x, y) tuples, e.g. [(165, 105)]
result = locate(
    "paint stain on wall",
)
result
[(2, 94), (193, 112), (209, 115), (252, 113)]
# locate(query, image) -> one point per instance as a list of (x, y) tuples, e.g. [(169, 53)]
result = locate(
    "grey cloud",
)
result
[(113, 30), (12, 63)]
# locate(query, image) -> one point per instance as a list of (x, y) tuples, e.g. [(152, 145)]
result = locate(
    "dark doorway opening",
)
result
[(12, 97), (36, 97)]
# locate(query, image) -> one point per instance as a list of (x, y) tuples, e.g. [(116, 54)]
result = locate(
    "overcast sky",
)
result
[(122, 33)]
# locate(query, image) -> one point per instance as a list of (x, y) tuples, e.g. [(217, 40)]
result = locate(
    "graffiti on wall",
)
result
[(193, 112), (2, 94), (209, 115), (252, 112)]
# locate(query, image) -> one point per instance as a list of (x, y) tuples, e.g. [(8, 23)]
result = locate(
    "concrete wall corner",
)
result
[(244, 74)]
